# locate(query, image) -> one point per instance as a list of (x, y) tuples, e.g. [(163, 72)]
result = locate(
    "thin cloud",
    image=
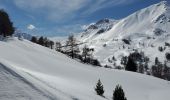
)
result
[(52, 9), (63, 10), (31, 27), (100, 4)]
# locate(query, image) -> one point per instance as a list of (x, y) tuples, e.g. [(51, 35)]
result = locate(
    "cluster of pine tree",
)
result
[(160, 70), (43, 41), (71, 48), (118, 93), (6, 26), (138, 62)]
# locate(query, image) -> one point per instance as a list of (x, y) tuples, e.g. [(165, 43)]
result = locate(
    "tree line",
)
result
[(138, 62), (70, 48), (43, 41)]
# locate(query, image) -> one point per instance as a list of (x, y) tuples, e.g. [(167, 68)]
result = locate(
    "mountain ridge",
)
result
[(151, 22)]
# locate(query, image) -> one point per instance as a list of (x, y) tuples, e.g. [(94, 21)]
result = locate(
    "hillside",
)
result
[(146, 30), (29, 71)]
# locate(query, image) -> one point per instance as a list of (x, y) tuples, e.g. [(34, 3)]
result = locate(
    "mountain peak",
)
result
[(164, 3), (105, 20), (149, 26)]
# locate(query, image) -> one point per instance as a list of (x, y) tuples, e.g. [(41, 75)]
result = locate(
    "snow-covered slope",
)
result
[(146, 29), (29, 71)]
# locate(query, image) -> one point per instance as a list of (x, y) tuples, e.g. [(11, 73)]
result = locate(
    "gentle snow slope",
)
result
[(35, 72)]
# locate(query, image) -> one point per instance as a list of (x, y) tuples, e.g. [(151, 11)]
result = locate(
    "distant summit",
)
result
[(146, 30)]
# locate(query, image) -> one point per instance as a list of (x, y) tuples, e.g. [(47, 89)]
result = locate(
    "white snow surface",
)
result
[(141, 28), (32, 72)]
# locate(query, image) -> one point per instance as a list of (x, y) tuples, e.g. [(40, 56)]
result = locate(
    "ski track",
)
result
[(15, 87)]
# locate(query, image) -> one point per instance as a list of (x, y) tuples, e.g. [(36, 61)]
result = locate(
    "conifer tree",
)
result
[(131, 65), (6, 26), (99, 88), (156, 61), (118, 93), (51, 44), (34, 39), (86, 53), (58, 46), (41, 41), (72, 46)]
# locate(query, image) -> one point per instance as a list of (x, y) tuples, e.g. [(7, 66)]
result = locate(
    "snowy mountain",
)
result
[(144, 30), (22, 35), (98, 28), (31, 72)]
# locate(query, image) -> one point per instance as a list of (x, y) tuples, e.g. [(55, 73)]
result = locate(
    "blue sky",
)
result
[(63, 17)]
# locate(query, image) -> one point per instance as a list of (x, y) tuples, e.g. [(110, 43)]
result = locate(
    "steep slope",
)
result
[(37, 72), (146, 30)]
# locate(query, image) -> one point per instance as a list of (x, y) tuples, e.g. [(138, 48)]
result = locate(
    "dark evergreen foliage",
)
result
[(6, 26), (41, 41), (160, 49), (95, 62), (58, 46), (124, 60), (167, 56), (86, 54), (131, 65), (156, 61), (157, 70), (118, 93), (51, 44), (126, 41), (99, 88), (34, 39)]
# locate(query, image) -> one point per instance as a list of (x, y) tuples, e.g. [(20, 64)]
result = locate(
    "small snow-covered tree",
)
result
[(99, 88), (118, 93)]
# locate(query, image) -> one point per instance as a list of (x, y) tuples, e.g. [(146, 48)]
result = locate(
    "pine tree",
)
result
[(41, 41), (6, 26), (58, 46), (99, 88), (46, 42), (156, 61), (131, 65), (34, 39), (86, 53), (72, 46), (51, 44), (118, 93)]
